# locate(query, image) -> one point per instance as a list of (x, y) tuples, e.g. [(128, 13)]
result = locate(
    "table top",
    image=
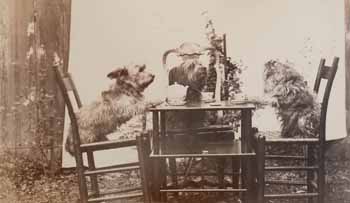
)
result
[(223, 105)]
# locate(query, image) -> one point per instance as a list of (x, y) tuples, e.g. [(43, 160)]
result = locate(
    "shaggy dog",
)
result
[(295, 103), (117, 105)]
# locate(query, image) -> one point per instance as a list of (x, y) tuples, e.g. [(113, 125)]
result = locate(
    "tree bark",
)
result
[(4, 64), (31, 110)]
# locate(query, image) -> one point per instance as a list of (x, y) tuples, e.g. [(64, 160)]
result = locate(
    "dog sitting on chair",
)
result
[(122, 101), (295, 103)]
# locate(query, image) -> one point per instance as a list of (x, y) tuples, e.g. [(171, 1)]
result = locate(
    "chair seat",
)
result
[(110, 144), (293, 140), (275, 137), (291, 195)]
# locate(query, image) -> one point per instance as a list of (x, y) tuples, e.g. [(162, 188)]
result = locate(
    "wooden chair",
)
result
[(66, 85), (313, 150)]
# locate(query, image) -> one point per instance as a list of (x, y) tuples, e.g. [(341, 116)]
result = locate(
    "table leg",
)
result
[(172, 167), (236, 165), (155, 136), (221, 171), (245, 130), (163, 161), (156, 163)]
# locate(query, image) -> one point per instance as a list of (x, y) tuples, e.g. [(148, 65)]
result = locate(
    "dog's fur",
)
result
[(192, 74), (295, 103), (117, 105)]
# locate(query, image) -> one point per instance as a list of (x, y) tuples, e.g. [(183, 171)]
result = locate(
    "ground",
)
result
[(63, 187)]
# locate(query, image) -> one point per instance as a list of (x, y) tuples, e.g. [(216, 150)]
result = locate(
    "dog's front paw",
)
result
[(154, 103)]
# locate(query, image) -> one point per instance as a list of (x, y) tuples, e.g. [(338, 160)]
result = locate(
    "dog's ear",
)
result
[(142, 68), (270, 63), (118, 73)]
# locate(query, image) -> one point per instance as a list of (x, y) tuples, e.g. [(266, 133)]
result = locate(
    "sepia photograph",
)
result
[(130, 101)]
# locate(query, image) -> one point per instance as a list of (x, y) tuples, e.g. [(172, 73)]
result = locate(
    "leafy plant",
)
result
[(231, 85)]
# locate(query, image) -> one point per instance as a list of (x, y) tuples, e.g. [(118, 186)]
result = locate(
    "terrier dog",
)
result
[(117, 105), (192, 74), (295, 103)]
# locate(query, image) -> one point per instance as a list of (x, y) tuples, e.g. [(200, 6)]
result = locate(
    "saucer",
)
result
[(208, 100), (239, 101), (176, 103)]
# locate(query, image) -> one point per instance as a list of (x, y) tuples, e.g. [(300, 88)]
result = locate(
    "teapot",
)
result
[(187, 51)]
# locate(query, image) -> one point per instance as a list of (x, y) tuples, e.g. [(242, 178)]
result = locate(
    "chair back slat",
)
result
[(328, 72), (325, 73), (61, 76), (319, 76), (75, 91), (64, 86), (67, 83), (70, 87)]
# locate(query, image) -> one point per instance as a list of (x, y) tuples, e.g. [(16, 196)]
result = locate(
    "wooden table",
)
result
[(159, 132)]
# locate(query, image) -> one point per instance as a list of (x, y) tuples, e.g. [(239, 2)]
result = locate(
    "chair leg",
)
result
[(156, 185), (93, 178), (82, 187), (310, 174), (243, 177), (321, 176), (143, 153), (83, 191), (250, 182), (260, 169)]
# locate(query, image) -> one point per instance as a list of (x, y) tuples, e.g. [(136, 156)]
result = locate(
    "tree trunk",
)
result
[(4, 64), (31, 110)]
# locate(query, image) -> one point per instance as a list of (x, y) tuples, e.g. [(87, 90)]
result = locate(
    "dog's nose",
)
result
[(153, 76)]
